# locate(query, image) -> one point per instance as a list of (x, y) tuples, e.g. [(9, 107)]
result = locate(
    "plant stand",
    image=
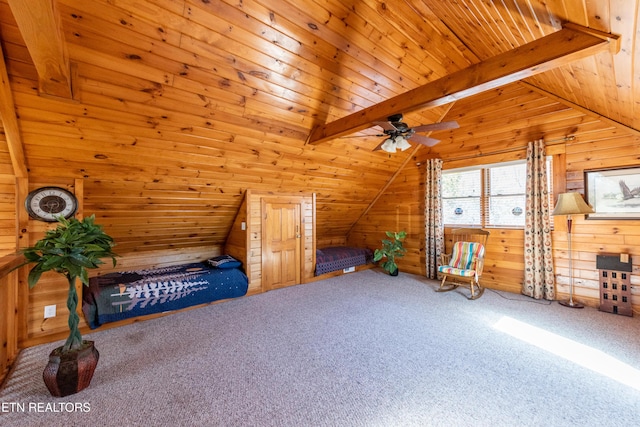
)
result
[(71, 371)]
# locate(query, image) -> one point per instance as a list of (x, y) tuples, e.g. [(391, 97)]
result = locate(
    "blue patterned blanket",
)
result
[(336, 258), (122, 295)]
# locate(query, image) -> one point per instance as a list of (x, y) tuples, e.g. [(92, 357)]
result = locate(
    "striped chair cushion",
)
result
[(445, 269), (462, 256)]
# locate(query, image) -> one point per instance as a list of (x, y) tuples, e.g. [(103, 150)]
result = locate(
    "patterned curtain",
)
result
[(434, 228), (538, 259)]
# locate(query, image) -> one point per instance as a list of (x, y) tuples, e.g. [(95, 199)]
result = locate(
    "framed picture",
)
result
[(613, 193)]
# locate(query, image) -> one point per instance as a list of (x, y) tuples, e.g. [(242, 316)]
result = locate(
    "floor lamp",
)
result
[(571, 204)]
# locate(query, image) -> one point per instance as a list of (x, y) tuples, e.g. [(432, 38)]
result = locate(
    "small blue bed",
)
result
[(117, 296), (335, 258)]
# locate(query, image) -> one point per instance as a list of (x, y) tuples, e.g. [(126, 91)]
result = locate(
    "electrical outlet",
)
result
[(49, 311)]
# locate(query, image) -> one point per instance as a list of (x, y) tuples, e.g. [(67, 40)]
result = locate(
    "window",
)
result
[(489, 196), (461, 197), (506, 195)]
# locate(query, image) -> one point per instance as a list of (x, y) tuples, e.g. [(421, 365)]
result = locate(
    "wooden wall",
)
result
[(604, 148), (7, 214), (486, 138), (168, 130), (8, 312), (8, 200), (237, 242), (180, 107), (400, 207), (597, 144)]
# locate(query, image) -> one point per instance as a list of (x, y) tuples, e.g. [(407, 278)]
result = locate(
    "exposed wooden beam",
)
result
[(10, 122), (569, 44), (40, 27)]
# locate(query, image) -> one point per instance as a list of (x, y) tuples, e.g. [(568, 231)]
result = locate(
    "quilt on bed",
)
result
[(336, 258), (123, 295)]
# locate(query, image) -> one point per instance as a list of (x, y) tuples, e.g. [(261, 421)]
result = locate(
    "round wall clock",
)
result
[(48, 203)]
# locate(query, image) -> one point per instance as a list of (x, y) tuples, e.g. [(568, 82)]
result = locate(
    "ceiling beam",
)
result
[(39, 26), (10, 122), (571, 43)]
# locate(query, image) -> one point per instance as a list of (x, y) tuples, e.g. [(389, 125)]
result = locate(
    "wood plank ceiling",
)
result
[(180, 105)]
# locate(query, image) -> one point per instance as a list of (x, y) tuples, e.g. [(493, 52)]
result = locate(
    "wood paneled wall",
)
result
[(8, 312), (167, 134), (596, 145), (8, 227), (605, 148), (486, 138), (238, 242), (181, 106)]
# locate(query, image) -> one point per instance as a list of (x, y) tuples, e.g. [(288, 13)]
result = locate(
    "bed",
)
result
[(117, 296), (335, 258)]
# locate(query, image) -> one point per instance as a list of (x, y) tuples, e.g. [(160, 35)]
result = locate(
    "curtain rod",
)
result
[(511, 150)]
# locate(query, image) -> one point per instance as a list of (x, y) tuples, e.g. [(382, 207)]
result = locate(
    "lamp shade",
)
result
[(389, 146), (402, 143), (570, 204)]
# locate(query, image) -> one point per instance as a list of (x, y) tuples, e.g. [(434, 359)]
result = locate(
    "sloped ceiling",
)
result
[(181, 106)]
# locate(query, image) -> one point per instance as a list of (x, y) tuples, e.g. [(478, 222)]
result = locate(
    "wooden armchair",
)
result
[(463, 266)]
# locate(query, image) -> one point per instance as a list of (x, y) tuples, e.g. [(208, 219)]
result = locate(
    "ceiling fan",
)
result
[(399, 133)]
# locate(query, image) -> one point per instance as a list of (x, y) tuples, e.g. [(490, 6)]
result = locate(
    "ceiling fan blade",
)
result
[(424, 140), (385, 125), (437, 126), (377, 135)]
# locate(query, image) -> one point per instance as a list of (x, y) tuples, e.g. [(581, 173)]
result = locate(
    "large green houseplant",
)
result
[(70, 249), (391, 248)]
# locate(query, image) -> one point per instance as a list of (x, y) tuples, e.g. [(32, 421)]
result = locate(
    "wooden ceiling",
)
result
[(179, 106)]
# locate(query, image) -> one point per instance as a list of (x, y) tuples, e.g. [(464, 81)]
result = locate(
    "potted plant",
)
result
[(391, 248), (70, 249)]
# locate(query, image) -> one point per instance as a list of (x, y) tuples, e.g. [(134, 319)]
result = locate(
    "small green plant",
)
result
[(70, 249), (391, 248)]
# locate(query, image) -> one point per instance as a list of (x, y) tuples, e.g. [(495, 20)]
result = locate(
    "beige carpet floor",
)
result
[(364, 349)]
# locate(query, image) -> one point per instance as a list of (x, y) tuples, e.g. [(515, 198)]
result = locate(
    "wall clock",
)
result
[(47, 203)]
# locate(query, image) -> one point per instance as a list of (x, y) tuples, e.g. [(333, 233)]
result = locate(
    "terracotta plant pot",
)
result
[(71, 371)]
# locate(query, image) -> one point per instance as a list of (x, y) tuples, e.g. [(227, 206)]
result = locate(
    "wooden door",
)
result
[(281, 255)]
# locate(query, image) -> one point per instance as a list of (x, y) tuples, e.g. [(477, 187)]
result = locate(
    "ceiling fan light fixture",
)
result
[(402, 143), (388, 146), (400, 136)]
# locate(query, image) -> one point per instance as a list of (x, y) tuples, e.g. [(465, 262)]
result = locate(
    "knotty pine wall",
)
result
[(486, 138), (604, 149), (7, 199), (7, 213), (238, 241), (597, 144), (164, 149)]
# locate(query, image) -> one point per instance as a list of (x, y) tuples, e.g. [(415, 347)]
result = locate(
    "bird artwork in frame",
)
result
[(613, 193)]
